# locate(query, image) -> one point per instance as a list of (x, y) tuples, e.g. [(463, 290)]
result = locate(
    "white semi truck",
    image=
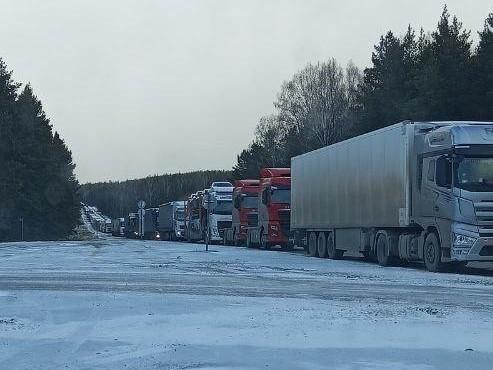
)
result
[(414, 191), (221, 194)]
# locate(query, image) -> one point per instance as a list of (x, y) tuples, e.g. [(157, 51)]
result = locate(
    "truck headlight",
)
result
[(463, 240)]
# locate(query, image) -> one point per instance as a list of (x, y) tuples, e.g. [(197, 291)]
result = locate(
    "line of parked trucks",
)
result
[(413, 191)]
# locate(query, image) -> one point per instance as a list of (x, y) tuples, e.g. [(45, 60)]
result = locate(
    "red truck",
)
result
[(244, 215), (274, 210)]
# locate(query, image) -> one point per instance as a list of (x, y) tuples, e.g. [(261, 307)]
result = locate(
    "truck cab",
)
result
[(194, 217), (132, 226), (454, 192), (274, 209), (221, 214), (244, 213)]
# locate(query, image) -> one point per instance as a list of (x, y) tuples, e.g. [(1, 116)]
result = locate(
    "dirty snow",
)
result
[(112, 304)]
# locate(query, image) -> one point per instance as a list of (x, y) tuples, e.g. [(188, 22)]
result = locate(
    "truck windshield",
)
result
[(179, 214), (223, 207), (281, 196), (250, 202), (474, 174)]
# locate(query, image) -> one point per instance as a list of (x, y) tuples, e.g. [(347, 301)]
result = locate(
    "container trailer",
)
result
[(414, 191), (172, 220)]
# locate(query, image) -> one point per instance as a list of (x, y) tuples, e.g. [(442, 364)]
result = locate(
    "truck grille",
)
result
[(285, 221), (484, 215), (252, 219), (221, 225)]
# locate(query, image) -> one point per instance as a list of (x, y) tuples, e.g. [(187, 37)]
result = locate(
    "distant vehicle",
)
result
[(414, 191), (108, 226), (195, 217), (244, 213), (132, 226), (118, 227), (171, 223), (274, 210), (151, 231), (221, 193)]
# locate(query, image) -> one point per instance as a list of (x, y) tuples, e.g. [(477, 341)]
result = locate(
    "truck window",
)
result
[(431, 171), (249, 202)]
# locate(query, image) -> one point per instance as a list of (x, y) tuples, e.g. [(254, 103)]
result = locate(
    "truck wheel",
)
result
[(332, 252), (383, 253), (249, 242), (322, 245), (312, 244), (432, 254), (263, 240)]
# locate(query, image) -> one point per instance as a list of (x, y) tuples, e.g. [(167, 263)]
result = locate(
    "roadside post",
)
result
[(141, 205), (21, 220)]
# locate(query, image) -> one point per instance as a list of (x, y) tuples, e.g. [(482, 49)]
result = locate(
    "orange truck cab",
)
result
[(274, 210), (244, 214)]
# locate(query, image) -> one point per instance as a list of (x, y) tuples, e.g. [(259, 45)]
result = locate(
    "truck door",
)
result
[(443, 206), (428, 194)]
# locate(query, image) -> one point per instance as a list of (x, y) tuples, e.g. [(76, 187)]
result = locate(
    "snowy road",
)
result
[(112, 304)]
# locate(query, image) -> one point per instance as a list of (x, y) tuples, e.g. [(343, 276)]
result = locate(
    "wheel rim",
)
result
[(430, 253)]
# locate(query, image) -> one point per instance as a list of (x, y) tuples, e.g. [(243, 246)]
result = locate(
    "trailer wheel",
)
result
[(432, 254), (312, 244), (383, 252), (322, 245), (332, 252)]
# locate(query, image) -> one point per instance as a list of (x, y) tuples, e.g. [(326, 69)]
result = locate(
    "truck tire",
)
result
[(263, 241), (249, 243), (332, 252), (312, 244), (288, 247), (383, 252), (322, 245), (432, 253)]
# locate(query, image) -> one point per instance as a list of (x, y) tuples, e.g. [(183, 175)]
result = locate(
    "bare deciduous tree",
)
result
[(315, 104)]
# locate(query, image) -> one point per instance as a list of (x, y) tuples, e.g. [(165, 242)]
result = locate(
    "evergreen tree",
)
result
[(445, 78), (484, 72), (388, 94), (37, 181), (8, 146)]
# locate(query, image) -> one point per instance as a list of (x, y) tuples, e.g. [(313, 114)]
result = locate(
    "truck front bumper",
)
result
[(473, 247)]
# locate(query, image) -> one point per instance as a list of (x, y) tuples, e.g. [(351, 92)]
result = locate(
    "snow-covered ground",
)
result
[(113, 304)]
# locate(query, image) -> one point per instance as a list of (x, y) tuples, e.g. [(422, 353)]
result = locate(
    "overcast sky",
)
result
[(146, 87)]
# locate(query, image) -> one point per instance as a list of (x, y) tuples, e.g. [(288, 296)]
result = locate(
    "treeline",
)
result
[(419, 76), (118, 198), (38, 189)]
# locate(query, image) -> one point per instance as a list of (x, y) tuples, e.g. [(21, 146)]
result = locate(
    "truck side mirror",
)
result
[(443, 177)]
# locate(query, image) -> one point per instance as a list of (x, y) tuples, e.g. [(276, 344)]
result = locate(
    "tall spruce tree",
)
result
[(484, 72), (37, 182), (8, 147), (387, 94), (445, 77)]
